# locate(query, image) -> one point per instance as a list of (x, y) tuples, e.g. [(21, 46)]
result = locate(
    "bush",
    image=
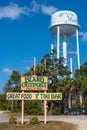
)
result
[(13, 120), (56, 111), (34, 111), (34, 120), (33, 107)]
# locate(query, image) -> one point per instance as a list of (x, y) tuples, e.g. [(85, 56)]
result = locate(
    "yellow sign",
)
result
[(33, 83), (34, 96)]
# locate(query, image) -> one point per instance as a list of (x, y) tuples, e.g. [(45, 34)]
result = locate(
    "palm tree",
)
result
[(81, 77), (40, 70)]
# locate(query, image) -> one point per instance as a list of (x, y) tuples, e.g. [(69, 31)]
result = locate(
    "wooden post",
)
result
[(22, 111), (45, 110)]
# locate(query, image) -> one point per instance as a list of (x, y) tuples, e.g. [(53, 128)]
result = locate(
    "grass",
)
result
[(57, 125)]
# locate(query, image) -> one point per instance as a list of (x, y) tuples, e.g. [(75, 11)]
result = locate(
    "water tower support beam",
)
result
[(65, 51), (71, 67), (77, 41), (58, 40)]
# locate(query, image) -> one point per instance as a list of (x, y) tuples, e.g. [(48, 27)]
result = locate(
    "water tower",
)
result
[(64, 28)]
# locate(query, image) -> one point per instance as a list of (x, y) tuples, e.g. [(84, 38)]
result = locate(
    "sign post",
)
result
[(22, 110), (45, 110)]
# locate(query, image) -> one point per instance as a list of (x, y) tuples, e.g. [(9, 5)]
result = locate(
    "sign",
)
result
[(34, 96), (33, 83)]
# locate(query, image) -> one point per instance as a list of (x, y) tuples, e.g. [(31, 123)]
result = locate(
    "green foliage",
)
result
[(33, 108), (34, 111), (40, 70), (15, 77), (83, 71), (13, 83), (34, 120), (56, 111), (17, 106), (58, 81), (4, 105), (13, 120)]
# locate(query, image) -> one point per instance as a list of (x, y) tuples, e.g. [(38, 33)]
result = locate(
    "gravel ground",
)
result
[(79, 120), (81, 124)]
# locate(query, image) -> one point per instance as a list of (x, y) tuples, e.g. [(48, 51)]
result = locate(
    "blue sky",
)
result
[(25, 34)]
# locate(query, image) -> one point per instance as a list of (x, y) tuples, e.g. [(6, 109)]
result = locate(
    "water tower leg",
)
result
[(77, 41), (58, 40), (65, 51), (80, 98), (71, 67)]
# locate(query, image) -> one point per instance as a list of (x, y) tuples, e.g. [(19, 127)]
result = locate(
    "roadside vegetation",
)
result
[(58, 81)]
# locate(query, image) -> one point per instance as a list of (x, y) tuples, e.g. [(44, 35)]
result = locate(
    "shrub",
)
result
[(13, 120), (34, 111), (56, 111), (33, 107), (34, 120)]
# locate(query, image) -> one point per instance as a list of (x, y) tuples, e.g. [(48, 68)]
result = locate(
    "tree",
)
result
[(81, 78), (82, 71), (13, 85), (40, 70), (4, 105), (8, 87), (15, 79), (55, 71)]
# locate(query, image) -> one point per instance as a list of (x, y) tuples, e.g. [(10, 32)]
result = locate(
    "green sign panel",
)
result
[(34, 83)]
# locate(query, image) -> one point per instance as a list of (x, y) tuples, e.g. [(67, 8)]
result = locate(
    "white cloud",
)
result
[(34, 7), (83, 36), (48, 9), (27, 68), (6, 70), (12, 11), (27, 61)]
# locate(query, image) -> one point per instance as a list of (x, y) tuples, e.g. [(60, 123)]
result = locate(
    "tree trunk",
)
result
[(69, 100), (51, 107), (12, 105)]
